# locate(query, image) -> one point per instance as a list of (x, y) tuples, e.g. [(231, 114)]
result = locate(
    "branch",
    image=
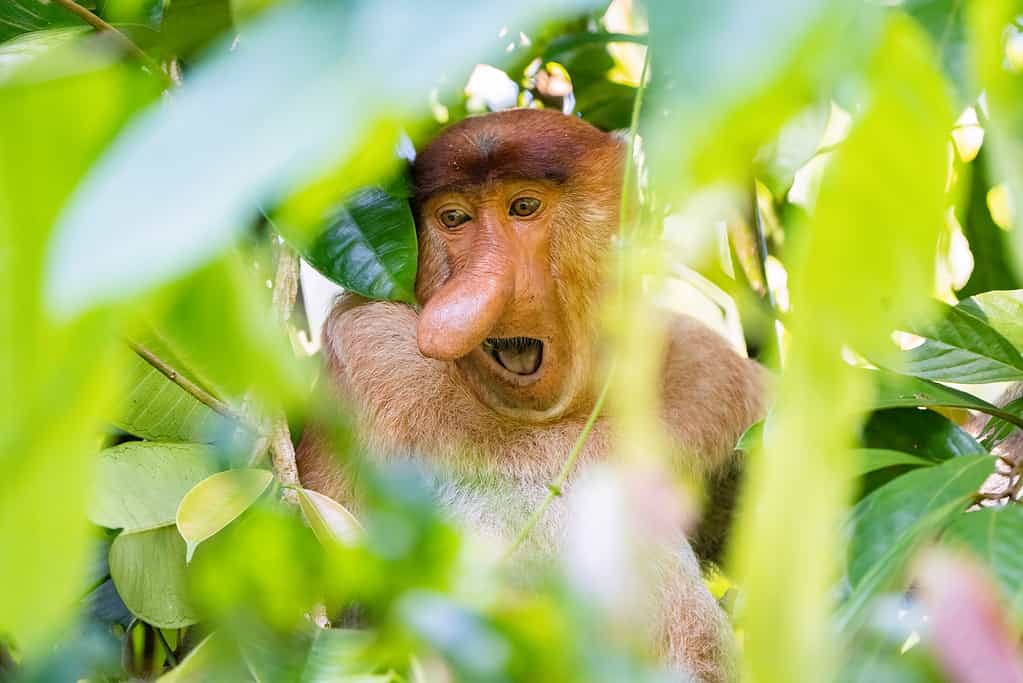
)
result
[(188, 385), (103, 27), (554, 488), (282, 451)]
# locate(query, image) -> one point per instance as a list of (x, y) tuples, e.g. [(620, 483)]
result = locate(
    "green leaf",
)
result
[(329, 520), (312, 107), (339, 655), (57, 380), (993, 267), (945, 22), (888, 516), (962, 348), (21, 16), (995, 535), (889, 525), (924, 433), (898, 391), (370, 246), (1003, 311), (148, 569), (157, 409), (141, 484), (217, 501), (871, 459), (199, 665)]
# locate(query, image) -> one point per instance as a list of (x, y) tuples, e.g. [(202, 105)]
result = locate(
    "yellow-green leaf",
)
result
[(329, 520), (217, 501)]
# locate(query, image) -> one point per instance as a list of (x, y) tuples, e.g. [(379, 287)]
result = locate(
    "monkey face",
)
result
[(512, 228)]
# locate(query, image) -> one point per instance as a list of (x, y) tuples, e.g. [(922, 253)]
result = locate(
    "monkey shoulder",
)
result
[(711, 393)]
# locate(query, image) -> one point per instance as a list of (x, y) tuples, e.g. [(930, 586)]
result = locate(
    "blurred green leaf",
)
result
[(340, 655), (311, 103), (888, 516), (864, 264), (23, 53), (219, 323), (959, 347), (995, 536), (191, 26), (21, 16), (921, 432), (1003, 311), (148, 569), (140, 484), (328, 519), (199, 665), (57, 380), (871, 459), (475, 649), (370, 246), (945, 22), (217, 501), (994, 36), (729, 74), (990, 245), (157, 409)]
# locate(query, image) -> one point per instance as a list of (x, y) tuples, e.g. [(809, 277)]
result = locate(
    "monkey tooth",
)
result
[(521, 355)]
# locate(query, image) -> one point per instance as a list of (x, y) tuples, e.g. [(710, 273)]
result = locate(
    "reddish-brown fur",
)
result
[(472, 421)]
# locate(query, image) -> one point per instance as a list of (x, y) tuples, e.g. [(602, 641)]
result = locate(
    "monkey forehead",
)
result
[(523, 144)]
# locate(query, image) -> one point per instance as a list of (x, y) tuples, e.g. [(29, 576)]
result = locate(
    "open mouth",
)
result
[(518, 355)]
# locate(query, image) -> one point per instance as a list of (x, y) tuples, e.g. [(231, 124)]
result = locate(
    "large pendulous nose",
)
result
[(458, 317)]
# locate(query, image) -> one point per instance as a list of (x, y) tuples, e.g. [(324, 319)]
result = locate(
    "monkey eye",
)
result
[(452, 218), (524, 206)]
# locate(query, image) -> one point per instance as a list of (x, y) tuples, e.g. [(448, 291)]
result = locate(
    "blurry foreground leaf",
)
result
[(57, 381), (140, 484), (217, 501), (312, 103), (329, 520), (148, 569)]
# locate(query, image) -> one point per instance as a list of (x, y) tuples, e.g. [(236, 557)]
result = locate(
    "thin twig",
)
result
[(555, 487), (124, 41), (188, 385), (282, 451)]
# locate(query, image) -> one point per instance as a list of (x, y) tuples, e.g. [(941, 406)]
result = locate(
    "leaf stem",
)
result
[(122, 40), (555, 487), (188, 385)]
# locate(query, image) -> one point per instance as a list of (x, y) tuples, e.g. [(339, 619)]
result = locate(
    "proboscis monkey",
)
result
[(492, 380)]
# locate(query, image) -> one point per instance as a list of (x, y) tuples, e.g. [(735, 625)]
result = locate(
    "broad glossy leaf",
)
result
[(922, 432), (871, 459), (894, 521), (329, 520), (148, 569), (995, 535), (140, 484), (157, 409), (899, 391), (1002, 310), (312, 106), (962, 348), (370, 246), (888, 516), (217, 501)]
